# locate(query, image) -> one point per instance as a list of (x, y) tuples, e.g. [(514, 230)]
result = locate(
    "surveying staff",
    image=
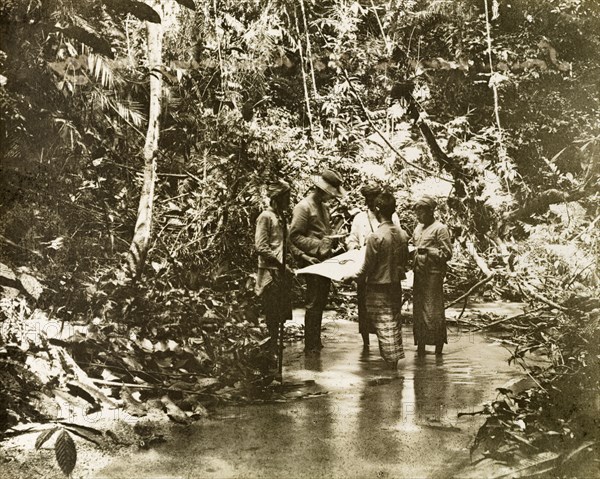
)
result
[(309, 233)]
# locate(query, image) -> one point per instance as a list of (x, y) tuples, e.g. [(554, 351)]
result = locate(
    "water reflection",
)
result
[(315, 418), (432, 394), (313, 362), (380, 410)]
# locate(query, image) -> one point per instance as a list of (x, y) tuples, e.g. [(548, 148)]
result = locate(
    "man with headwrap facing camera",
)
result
[(433, 249)]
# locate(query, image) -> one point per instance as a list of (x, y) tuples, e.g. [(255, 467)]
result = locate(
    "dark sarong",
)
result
[(364, 325), (428, 309), (383, 310), (276, 299)]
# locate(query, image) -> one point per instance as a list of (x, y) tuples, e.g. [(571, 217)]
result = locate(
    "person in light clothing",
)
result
[(433, 249), (364, 224), (386, 258), (273, 280)]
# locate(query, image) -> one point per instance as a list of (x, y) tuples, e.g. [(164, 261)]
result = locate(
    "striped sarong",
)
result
[(383, 303)]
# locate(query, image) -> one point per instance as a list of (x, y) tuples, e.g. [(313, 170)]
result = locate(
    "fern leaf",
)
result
[(437, 8), (65, 452)]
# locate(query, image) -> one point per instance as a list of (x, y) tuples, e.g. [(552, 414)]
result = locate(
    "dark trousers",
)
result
[(317, 293)]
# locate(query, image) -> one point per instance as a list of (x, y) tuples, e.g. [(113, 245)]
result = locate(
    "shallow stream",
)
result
[(364, 420)]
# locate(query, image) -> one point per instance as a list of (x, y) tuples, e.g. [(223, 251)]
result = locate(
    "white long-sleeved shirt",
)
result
[(364, 224)]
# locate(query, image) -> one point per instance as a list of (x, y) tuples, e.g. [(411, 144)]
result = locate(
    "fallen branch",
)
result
[(522, 440), (529, 290), (15, 245), (474, 413), (149, 386), (568, 456), (578, 273), (93, 392), (470, 248), (587, 228), (458, 320), (508, 318), (540, 203), (82, 380), (489, 274), (471, 291), (504, 341), (129, 385)]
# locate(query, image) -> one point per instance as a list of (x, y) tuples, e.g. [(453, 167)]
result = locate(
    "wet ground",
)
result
[(370, 423)]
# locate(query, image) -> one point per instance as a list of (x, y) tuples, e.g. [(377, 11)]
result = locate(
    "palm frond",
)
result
[(101, 70), (127, 110)]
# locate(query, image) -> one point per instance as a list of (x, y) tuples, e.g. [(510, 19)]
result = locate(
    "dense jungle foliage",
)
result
[(491, 103)]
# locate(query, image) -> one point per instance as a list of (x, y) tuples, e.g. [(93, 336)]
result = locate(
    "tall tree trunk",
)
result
[(502, 153), (309, 50), (304, 80), (143, 226)]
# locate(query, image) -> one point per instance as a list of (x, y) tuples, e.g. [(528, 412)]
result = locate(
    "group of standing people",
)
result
[(309, 239)]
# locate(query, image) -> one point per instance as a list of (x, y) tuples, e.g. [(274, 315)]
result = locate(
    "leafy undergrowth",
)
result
[(151, 356), (553, 428)]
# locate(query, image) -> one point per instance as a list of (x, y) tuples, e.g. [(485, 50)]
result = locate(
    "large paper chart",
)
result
[(345, 264)]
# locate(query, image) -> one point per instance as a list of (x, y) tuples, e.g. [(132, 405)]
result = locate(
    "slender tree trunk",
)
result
[(502, 153), (143, 226), (386, 41), (304, 80), (309, 50)]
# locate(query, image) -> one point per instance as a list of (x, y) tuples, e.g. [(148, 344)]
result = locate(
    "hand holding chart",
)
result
[(338, 267)]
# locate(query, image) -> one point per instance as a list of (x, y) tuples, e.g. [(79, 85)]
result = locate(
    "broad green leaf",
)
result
[(85, 432), (138, 9), (187, 3), (98, 44), (65, 452)]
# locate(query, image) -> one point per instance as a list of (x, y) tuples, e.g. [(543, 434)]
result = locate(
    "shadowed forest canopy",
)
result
[(497, 101), (136, 139)]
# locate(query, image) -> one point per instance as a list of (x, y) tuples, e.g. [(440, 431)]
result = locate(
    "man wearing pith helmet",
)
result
[(310, 233)]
